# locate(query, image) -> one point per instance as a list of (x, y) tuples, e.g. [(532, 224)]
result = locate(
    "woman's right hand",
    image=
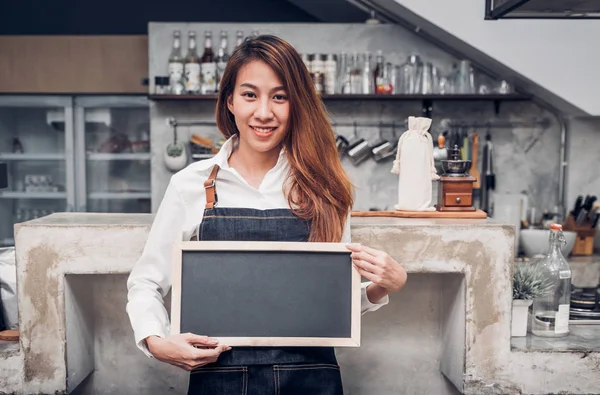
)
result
[(186, 350)]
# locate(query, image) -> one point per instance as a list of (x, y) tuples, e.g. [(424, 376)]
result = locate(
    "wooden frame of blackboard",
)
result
[(355, 321)]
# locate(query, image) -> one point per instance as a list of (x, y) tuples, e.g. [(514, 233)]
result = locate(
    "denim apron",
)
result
[(262, 370)]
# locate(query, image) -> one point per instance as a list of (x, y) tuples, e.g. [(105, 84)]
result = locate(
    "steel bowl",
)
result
[(456, 167)]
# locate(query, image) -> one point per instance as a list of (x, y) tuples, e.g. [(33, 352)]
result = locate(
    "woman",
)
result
[(277, 178)]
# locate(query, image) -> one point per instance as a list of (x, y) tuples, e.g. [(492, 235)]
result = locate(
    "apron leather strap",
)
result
[(211, 189)]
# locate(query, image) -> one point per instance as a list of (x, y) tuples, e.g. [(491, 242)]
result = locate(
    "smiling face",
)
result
[(261, 108)]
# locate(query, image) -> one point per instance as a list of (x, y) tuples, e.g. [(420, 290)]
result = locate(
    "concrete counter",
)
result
[(449, 328)]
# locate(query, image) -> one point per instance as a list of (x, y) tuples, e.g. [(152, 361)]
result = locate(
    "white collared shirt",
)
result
[(177, 219)]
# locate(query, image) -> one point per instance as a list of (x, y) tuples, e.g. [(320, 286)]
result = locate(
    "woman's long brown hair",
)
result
[(318, 188)]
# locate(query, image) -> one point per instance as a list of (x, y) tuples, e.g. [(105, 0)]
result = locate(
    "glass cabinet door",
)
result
[(113, 154), (36, 142)]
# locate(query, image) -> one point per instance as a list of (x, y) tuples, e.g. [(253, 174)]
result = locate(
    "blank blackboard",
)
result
[(266, 293)]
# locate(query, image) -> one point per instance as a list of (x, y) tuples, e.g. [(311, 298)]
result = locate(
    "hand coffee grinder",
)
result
[(455, 191)]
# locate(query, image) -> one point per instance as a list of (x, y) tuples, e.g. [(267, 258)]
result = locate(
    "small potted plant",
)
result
[(528, 284)]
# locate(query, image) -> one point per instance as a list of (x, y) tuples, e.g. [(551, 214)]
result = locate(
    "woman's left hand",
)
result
[(378, 267)]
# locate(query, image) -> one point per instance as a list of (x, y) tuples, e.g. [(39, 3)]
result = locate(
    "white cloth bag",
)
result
[(415, 165)]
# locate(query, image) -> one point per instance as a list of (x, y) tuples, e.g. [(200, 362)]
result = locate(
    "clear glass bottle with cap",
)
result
[(368, 81), (192, 66), (239, 38), (176, 78), (222, 57), (208, 66), (550, 312)]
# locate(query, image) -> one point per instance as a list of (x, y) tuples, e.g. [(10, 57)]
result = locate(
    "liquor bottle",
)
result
[(550, 312), (381, 77), (192, 66), (330, 73), (368, 82), (307, 62), (343, 74), (222, 57), (355, 77), (318, 72), (176, 81), (17, 146), (254, 33), (208, 66), (239, 38)]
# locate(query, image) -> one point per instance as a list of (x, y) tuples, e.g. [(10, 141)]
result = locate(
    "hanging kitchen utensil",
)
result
[(355, 139), (175, 155), (464, 150), (440, 152), (359, 150), (382, 149), (474, 170), (490, 177), (341, 143)]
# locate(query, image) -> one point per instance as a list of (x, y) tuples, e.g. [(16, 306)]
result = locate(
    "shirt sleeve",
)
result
[(365, 304), (150, 278)]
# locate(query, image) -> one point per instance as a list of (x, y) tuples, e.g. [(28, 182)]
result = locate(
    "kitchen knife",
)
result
[(593, 211), (595, 221), (591, 202), (578, 203), (581, 216)]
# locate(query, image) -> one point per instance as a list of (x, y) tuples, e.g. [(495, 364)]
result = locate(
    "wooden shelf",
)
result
[(468, 97)]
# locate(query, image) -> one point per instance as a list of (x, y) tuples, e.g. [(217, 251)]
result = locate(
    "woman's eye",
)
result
[(249, 94), (280, 97)]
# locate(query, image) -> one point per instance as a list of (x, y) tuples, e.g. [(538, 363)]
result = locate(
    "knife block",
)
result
[(584, 242)]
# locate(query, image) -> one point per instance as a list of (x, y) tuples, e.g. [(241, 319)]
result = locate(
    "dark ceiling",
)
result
[(85, 17)]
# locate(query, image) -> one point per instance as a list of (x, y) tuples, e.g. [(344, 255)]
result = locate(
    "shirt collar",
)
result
[(222, 157)]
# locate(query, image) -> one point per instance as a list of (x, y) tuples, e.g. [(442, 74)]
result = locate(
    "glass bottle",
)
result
[(192, 66), (355, 75), (378, 72), (550, 312), (330, 73), (176, 82), (222, 56), (343, 75), (426, 79), (409, 81), (239, 38), (465, 78), (318, 72), (306, 61), (208, 66), (368, 82), (17, 146)]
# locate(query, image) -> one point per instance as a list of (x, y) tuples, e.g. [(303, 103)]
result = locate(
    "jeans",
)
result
[(287, 379)]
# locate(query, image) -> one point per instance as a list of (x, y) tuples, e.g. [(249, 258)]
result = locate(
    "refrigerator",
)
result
[(73, 153)]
